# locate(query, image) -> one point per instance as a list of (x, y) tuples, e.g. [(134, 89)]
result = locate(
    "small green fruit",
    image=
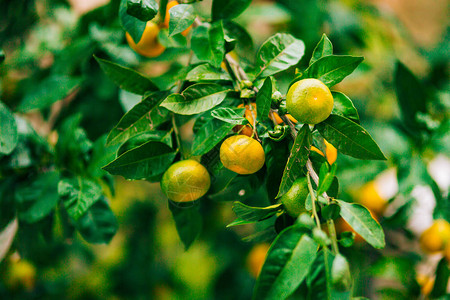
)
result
[(294, 199)]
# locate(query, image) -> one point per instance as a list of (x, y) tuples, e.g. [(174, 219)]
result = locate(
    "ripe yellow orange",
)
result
[(426, 283), (309, 101), (369, 196), (242, 154), (447, 252), (256, 257), (436, 237), (149, 45), (294, 199), (185, 181), (21, 273), (330, 152), (167, 17)]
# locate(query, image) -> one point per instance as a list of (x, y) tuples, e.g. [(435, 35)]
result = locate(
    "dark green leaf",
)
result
[(50, 90), (38, 198), (349, 138), (287, 264), (297, 159), (101, 155), (229, 115), (188, 221), (206, 72), (144, 116), (130, 24), (8, 130), (278, 53), (441, 281), (209, 135), (126, 78), (326, 178), (144, 10), (142, 138), (195, 99), (78, 195), (360, 219), (264, 100), (181, 17), (331, 69), (343, 106), (411, 96), (228, 9), (2, 56), (208, 43), (146, 161), (98, 225), (249, 214), (323, 48)]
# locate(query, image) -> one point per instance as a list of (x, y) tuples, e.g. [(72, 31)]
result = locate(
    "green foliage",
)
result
[(8, 137), (181, 17), (144, 10)]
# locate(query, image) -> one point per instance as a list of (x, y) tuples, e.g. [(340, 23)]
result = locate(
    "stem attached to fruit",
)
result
[(309, 167), (313, 200)]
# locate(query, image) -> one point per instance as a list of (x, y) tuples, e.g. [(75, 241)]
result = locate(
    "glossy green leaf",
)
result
[(442, 279), (359, 218), (228, 9), (264, 99), (280, 52), (331, 69), (8, 130), (209, 135), (98, 225), (343, 106), (349, 138), (287, 264), (126, 78), (50, 90), (146, 161), (297, 159), (249, 214), (144, 10), (130, 24), (188, 221), (144, 116), (229, 115), (207, 72), (38, 197), (323, 48), (2, 56), (208, 43), (195, 99), (142, 138), (326, 178), (78, 195), (411, 96), (181, 17)]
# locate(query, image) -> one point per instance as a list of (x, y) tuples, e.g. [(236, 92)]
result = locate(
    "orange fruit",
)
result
[(436, 237), (309, 101), (149, 45), (256, 257), (330, 152), (167, 17), (242, 154), (369, 197), (185, 181)]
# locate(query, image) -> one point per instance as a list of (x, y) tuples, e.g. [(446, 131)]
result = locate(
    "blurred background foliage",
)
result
[(50, 43)]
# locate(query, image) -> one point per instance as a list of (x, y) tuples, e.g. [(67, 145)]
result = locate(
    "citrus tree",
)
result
[(270, 148)]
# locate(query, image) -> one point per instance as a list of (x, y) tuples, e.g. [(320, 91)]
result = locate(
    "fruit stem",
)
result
[(313, 200), (311, 171)]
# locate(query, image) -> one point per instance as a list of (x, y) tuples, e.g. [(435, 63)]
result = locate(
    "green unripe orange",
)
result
[(309, 101), (185, 181), (295, 197)]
